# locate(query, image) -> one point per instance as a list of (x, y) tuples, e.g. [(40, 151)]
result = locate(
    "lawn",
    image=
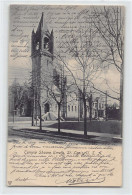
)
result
[(113, 126)]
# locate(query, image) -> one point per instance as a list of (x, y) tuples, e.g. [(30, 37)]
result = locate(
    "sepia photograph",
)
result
[(65, 95)]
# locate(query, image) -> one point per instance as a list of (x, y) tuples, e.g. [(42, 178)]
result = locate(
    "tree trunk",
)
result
[(78, 109), (90, 117), (106, 110), (32, 118), (90, 106), (121, 99), (121, 95), (40, 119), (85, 117), (33, 113), (58, 117), (36, 115), (97, 109)]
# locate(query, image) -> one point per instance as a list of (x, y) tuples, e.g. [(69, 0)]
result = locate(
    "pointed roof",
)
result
[(33, 31), (43, 23)]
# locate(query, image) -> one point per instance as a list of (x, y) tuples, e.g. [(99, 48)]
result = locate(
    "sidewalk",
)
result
[(95, 136)]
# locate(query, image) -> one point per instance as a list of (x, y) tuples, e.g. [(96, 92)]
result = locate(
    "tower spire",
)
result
[(33, 31)]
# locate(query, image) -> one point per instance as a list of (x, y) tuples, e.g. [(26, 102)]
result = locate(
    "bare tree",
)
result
[(50, 84), (109, 22), (56, 89), (21, 98), (81, 60), (54, 83)]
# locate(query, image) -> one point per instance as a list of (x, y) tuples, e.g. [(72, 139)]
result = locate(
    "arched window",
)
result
[(46, 43), (68, 108), (46, 108), (37, 46), (75, 108)]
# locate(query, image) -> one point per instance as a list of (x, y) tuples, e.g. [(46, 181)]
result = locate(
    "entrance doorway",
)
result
[(46, 108)]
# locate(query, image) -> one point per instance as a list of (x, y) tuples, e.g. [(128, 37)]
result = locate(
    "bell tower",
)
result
[(42, 48), (42, 40)]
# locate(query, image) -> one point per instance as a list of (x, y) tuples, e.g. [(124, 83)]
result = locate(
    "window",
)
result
[(68, 108), (37, 46), (75, 108), (72, 108), (46, 43)]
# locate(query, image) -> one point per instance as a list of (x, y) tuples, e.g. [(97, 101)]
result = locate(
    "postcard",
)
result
[(65, 95)]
